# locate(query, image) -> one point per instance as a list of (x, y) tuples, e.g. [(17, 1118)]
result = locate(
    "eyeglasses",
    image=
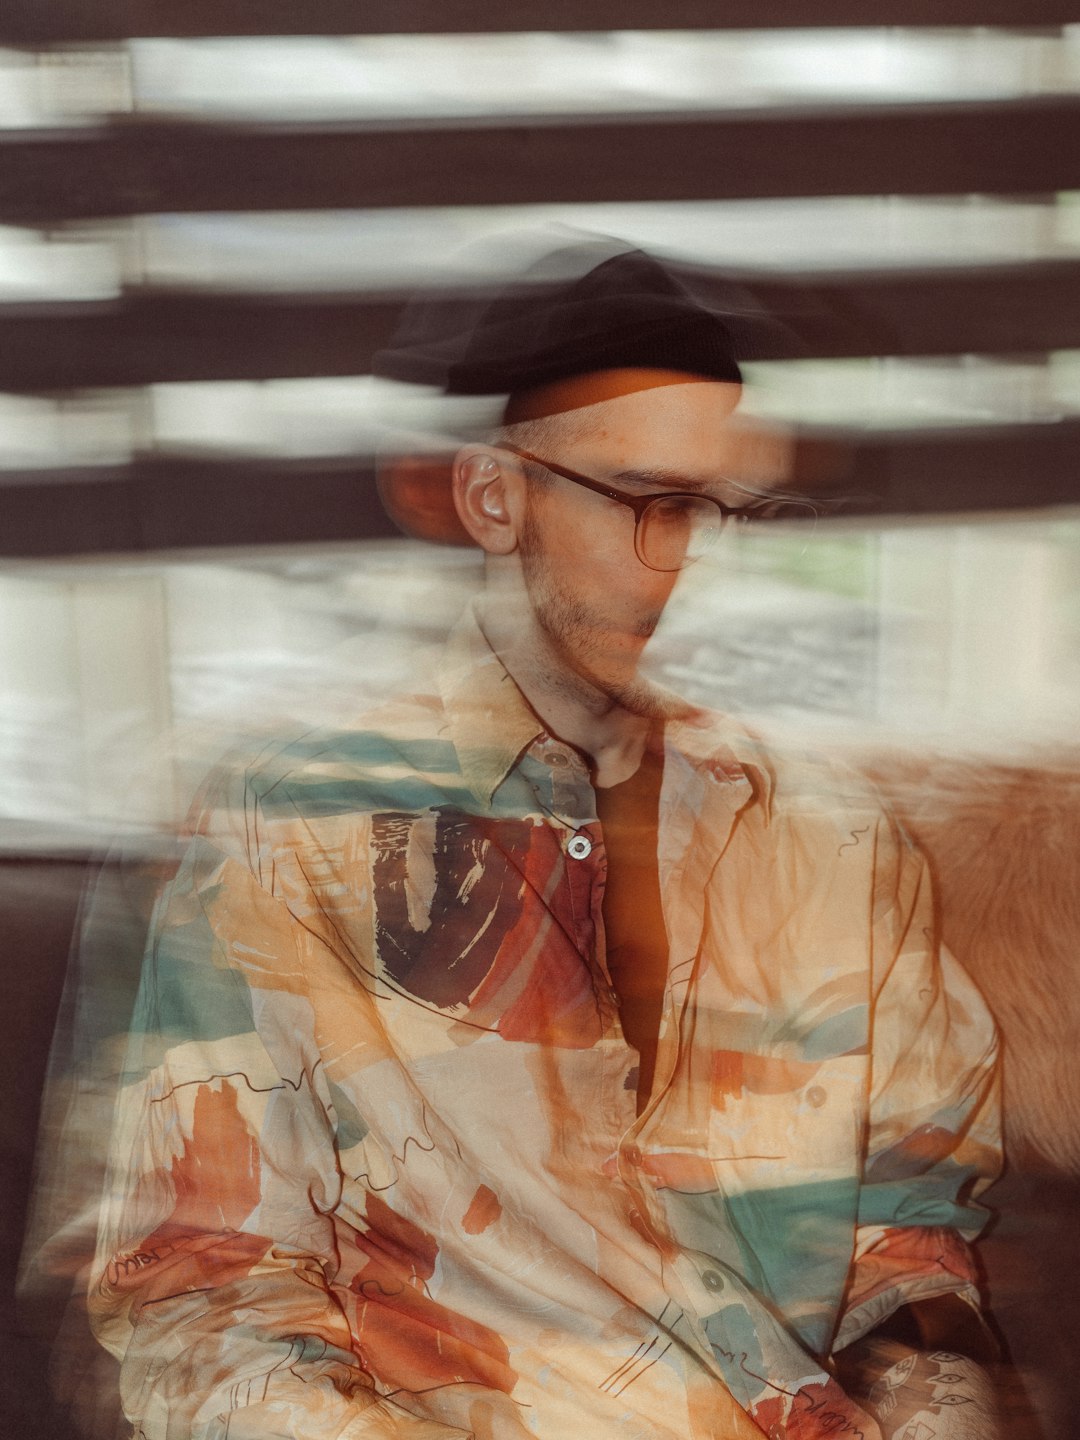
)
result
[(674, 528)]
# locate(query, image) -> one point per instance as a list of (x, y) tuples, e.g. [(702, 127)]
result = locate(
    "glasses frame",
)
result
[(640, 503)]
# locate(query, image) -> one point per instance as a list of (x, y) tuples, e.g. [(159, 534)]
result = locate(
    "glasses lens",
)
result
[(676, 530)]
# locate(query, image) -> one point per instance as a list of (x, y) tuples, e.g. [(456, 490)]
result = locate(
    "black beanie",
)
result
[(622, 310)]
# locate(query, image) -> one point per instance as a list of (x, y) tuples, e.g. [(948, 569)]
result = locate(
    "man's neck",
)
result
[(573, 708)]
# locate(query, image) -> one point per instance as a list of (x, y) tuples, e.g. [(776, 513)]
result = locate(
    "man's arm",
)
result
[(217, 1249), (912, 1346)]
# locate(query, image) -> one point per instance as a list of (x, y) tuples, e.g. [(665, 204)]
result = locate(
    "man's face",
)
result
[(593, 601)]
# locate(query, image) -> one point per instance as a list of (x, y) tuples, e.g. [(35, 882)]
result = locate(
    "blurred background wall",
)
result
[(204, 236), (209, 215)]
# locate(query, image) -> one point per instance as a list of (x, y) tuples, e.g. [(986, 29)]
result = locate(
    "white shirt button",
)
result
[(632, 1155), (712, 1280), (579, 847)]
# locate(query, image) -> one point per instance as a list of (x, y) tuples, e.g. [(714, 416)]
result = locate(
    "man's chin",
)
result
[(638, 695), (646, 628)]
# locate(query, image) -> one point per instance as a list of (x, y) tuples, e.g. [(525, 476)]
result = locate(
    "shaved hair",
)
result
[(548, 436)]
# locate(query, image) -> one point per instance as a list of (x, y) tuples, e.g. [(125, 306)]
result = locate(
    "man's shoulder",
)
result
[(819, 777), (795, 774), (396, 755)]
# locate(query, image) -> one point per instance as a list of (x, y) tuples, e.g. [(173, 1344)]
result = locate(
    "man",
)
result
[(540, 1057)]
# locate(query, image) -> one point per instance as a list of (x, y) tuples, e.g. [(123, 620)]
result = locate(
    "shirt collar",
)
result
[(491, 723), (716, 744)]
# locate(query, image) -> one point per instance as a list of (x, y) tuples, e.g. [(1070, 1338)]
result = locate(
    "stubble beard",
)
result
[(583, 670)]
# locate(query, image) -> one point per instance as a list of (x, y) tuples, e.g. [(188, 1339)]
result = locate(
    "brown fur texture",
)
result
[(1003, 839)]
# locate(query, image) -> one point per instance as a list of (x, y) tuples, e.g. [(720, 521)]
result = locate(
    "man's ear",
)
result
[(483, 487)]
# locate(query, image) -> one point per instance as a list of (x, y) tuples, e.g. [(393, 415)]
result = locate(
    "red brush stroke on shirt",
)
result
[(685, 1172), (216, 1175), (552, 1002), (406, 1339), (215, 1182), (484, 1209), (817, 1412), (904, 1253), (735, 1071)]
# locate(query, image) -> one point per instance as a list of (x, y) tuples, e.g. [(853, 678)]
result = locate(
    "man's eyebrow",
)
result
[(665, 479)]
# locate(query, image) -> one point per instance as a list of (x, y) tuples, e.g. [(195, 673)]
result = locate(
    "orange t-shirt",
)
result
[(637, 942)]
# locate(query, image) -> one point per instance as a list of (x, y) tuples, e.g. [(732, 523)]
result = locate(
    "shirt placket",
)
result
[(572, 808), (700, 807), (574, 804), (698, 816)]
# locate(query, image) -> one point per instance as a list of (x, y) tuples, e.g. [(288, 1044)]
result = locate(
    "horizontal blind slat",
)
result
[(144, 166)]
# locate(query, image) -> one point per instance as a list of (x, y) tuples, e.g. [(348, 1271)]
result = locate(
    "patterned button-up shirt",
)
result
[(378, 1169)]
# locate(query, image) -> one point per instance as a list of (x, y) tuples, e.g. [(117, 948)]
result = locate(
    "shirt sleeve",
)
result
[(216, 1252), (933, 1137)]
